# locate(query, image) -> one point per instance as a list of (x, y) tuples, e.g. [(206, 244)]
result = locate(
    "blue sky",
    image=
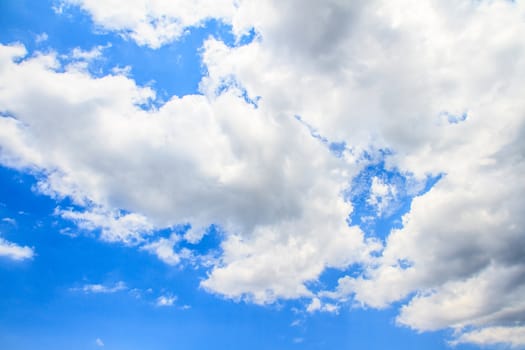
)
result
[(234, 175)]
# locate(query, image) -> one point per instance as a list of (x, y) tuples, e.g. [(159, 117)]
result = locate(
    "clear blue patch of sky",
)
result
[(455, 118), (365, 214), (338, 148)]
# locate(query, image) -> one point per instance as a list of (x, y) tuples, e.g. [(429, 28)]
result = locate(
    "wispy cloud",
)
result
[(101, 288), (317, 305), (166, 300), (41, 38), (10, 221)]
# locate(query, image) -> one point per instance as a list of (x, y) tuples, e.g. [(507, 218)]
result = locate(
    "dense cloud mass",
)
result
[(439, 84)]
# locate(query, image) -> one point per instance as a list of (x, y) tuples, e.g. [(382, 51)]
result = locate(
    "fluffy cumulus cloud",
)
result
[(166, 300), (402, 76), (436, 83), (151, 22), (14, 251), (381, 195), (515, 336), (200, 159), (164, 249), (317, 305)]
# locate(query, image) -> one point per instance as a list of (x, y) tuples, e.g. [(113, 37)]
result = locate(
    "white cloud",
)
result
[(513, 335), (375, 74), (317, 305), (129, 228), (88, 55), (296, 323), (195, 234), (41, 38), (383, 80), (99, 342), (152, 22), (102, 288), (332, 308), (14, 251), (272, 204), (164, 249), (166, 300), (10, 221), (381, 195)]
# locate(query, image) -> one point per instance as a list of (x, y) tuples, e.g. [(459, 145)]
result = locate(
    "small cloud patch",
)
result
[(166, 300), (101, 288)]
